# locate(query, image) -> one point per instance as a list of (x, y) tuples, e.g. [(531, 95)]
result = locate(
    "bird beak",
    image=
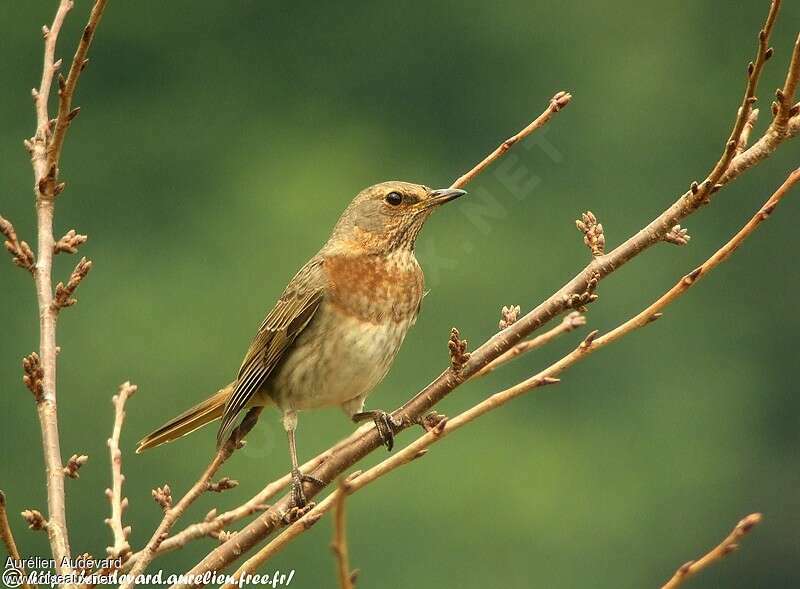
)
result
[(443, 195)]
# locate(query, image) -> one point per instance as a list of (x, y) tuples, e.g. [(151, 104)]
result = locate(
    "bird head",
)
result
[(388, 216)]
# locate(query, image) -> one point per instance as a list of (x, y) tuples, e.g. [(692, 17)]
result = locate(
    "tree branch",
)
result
[(7, 537), (590, 344), (120, 547), (557, 102), (45, 149), (723, 549), (727, 168), (172, 514), (345, 575)]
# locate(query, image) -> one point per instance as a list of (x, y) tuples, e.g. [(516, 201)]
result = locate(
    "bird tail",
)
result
[(188, 421)]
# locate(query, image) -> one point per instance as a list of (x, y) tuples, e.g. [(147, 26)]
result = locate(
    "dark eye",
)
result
[(394, 198)]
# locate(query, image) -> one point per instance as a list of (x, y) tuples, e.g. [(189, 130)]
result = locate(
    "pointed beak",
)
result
[(443, 195)]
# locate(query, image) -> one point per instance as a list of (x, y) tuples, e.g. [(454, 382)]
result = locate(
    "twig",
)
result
[(7, 537), (67, 87), (547, 376), (173, 513), (339, 544), (46, 403), (45, 149), (557, 102), (120, 548), (723, 549), (571, 321), (784, 97), (214, 523)]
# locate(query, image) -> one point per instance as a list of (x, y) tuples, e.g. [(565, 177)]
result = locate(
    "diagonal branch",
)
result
[(361, 443), (723, 549), (173, 513), (557, 102), (570, 322), (589, 345), (7, 537)]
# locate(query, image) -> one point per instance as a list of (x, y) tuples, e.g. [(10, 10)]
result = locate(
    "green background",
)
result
[(219, 141)]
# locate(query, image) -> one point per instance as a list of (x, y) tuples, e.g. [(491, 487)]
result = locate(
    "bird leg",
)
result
[(298, 478), (384, 422)]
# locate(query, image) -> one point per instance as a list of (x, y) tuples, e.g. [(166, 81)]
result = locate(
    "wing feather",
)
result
[(287, 319)]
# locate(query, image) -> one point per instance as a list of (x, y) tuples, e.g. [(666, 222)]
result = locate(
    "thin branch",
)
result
[(571, 321), (120, 548), (783, 106), (67, 87), (214, 523), (173, 513), (7, 537), (339, 547), (557, 102), (547, 376), (723, 549), (46, 402)]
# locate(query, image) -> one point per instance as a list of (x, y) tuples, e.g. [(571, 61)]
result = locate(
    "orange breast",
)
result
[(376, 288)]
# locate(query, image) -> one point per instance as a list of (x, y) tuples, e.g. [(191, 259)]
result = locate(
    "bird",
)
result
[(334, 333)]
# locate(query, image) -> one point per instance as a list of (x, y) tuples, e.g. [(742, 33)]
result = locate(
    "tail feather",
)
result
[(201, 414)]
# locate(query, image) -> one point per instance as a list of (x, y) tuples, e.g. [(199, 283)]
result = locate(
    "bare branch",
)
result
[(783, 107), (548, 376), (45, 149), (557, 102), (345, 575), (589, 345), (571, 321), (163, 496), (67, 87), (20, 251), (723, 549), (7, 537), (120, 548)]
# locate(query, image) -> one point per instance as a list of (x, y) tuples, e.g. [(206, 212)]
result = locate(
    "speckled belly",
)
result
[(338, 357)]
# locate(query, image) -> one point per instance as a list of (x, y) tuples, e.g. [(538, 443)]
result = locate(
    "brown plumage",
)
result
[(334, 332)]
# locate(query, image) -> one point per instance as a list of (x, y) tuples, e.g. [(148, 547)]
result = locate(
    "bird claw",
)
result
[(298, 494), (385, 423)]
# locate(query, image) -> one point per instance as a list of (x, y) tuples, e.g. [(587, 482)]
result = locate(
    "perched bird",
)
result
[(336, 329)]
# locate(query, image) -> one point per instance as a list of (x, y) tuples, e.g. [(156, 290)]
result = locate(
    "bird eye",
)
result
[(394, 198)]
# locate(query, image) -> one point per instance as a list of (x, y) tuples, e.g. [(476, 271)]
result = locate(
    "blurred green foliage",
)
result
[(219, 141)]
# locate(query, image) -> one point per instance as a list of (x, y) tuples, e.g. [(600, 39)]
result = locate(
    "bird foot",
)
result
[(298, 494), (384, 422)]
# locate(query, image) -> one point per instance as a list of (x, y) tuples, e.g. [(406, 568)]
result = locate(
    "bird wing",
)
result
[(287, 319)]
